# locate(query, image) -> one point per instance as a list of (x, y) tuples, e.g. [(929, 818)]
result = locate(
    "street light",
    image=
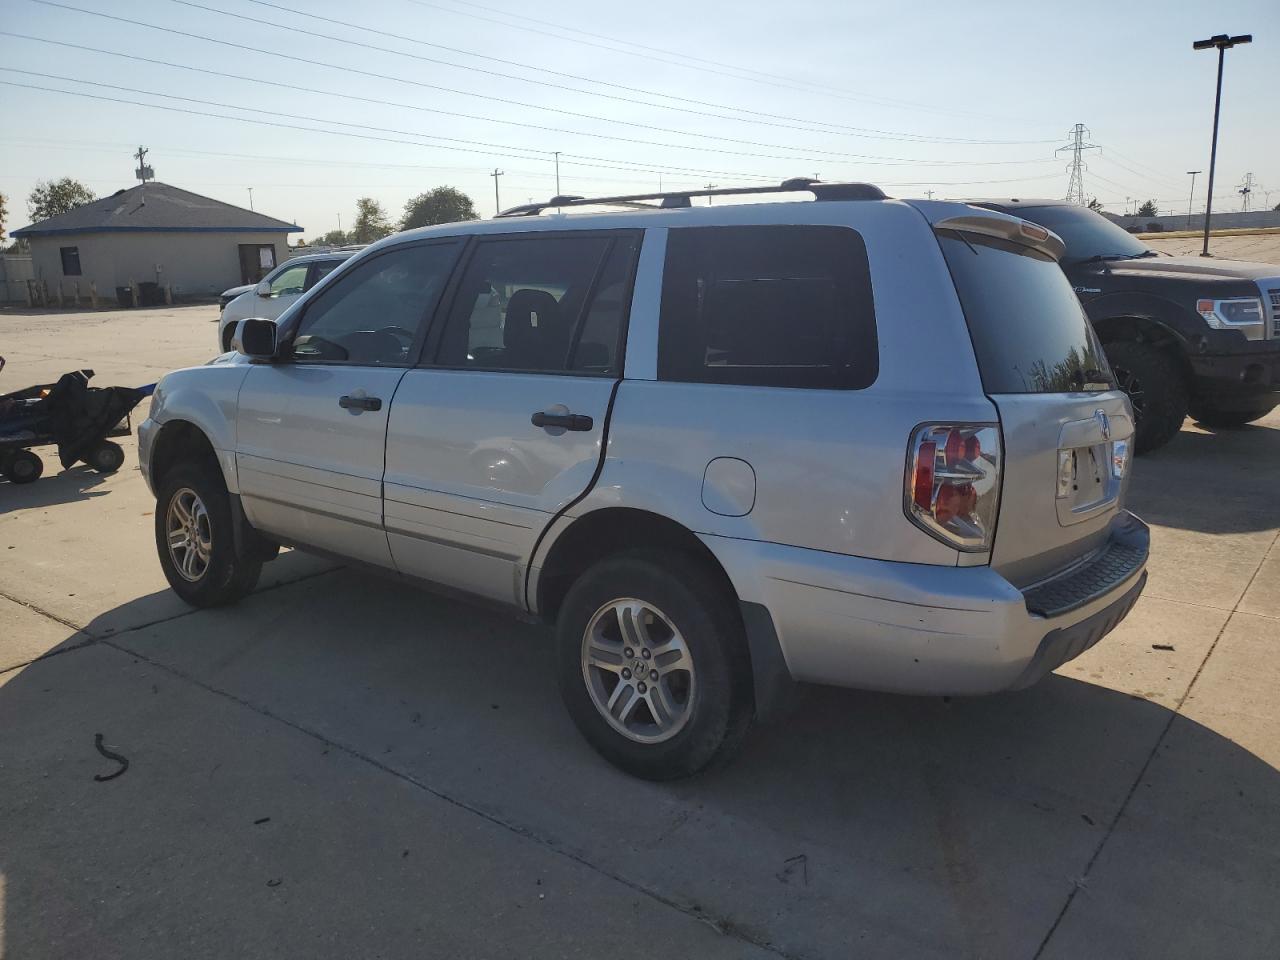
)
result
[(1192, 201), (1223, 43)]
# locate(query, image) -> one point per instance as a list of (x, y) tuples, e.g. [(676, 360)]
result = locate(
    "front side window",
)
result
[(781, 306), (70, 261), (289, 281), (374, 312), (541, 303)]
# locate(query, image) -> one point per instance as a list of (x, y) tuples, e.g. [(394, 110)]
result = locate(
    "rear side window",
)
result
[(1029, 331), (778, 306)]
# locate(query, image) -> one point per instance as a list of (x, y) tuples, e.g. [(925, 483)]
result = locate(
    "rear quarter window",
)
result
[(1029, 332), (781, 306)]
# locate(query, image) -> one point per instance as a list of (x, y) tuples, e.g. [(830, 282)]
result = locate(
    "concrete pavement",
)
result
[(426, 793)]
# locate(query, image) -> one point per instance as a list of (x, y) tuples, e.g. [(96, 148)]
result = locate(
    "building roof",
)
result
[(153, 207)]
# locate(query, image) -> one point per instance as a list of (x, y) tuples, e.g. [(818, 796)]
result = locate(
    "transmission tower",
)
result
[(1079, 144), (1245, 190)]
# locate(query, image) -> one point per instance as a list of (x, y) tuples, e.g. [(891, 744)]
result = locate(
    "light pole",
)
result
[(1223, 43), (557, 156), (250, 199), (1191, 202)]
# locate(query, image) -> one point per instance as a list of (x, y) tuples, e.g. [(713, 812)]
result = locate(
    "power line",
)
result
[(771, 79), (449, 113), (311, 15)]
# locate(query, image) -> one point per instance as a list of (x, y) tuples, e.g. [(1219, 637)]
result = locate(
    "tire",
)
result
[(23, 466), (1157, 390), (227, 333), (216, 575), (106, 457), (1226, 419), (705, 691)]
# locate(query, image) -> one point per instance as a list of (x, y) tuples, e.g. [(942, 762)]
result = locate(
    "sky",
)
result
[(313, 103)]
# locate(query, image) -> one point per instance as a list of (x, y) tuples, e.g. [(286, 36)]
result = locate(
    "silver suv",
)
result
[(853, 441)]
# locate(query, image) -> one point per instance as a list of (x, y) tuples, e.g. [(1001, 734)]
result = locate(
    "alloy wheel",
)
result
[(638, 670), (189, 534)]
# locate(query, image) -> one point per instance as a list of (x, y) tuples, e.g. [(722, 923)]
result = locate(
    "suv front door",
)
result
[(504, 427), (311, 426)]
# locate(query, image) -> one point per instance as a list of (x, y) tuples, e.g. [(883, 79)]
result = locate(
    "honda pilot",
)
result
[(855, 441)]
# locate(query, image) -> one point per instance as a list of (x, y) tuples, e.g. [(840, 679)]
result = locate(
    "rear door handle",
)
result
[(569, 421), (360, 403)]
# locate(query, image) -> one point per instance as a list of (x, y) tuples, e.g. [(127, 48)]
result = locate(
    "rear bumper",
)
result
[(1244, 380), (921, 629)]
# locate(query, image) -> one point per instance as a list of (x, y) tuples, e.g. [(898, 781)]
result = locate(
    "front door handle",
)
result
[(360, 403), (568, 421)]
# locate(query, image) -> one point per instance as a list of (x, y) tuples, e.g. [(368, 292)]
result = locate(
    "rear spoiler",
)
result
[(1007, 228)]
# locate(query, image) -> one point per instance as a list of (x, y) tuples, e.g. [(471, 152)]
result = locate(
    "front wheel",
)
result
[(1211, 416), (195, 542), (1157, 391), (652, 665), (23, 466)]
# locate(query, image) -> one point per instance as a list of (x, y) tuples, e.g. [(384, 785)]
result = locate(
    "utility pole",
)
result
[(250, 199), (557, 156), (144, 172), (1246, 191), (1077, 147), (1222, 43), (1191, 202), (497, 206), (929, 194), (340, 223), (710, 186)]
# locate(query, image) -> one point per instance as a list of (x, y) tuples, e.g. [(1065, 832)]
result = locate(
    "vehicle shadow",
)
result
[(1211, 481), (902, 826), (78, 483)]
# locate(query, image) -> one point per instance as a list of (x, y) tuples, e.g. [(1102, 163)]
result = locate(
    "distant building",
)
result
[(155, 233)]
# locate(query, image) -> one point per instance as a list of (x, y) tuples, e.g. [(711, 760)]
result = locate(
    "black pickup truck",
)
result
[(1183, 335)]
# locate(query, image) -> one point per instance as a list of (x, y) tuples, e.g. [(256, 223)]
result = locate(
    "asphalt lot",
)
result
[(342, 766)]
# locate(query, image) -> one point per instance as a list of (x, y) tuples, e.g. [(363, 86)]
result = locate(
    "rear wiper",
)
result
[(1104, 257), (1091, 377)]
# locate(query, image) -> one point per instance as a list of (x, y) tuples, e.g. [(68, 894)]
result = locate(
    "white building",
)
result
[(155, 233)]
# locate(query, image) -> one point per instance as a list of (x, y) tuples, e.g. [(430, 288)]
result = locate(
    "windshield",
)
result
[(1029, 331), (1085, 232)]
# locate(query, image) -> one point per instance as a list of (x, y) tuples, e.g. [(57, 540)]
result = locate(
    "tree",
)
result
[(441, 205), (334, 238), (371, 221), (1095, 206), (51, 198), (1148, 209)]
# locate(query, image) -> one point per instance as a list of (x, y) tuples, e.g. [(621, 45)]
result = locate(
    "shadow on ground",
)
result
[(1181, 485), (863, 825), (78, 483)]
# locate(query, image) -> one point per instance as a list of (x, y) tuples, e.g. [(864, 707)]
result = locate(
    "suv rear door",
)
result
[(1059, 410), (504, 425)]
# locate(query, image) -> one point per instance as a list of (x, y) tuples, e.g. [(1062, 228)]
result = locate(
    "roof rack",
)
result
[(683, 198)]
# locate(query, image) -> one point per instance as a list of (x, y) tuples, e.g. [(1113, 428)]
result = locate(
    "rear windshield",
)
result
[(1029, 331)]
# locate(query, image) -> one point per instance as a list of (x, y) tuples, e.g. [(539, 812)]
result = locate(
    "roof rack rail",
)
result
[(683, 198)]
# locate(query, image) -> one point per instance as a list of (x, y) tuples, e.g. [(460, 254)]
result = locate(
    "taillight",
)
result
[(953, 483)]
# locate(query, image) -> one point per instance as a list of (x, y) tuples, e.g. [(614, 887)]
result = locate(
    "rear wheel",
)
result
[(106, 457), (652, 665), (1157, 391), (194, 539), (23, 466), (1211, 416)]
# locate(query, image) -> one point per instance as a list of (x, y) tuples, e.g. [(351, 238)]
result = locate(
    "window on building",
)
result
[(70, 261)]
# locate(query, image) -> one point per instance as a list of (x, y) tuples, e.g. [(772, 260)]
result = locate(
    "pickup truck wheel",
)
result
[(195, 542), (1212, 417), (652, 665), (1157, 391)]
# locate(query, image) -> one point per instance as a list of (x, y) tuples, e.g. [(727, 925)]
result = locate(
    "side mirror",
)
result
[(263, 289), (255, 338)]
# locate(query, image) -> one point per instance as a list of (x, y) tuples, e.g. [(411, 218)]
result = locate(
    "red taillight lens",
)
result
[(954, 497), (922, 483)]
